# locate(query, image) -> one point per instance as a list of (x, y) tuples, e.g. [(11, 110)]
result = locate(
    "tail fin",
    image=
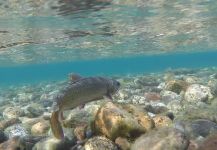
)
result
[(56, 125)]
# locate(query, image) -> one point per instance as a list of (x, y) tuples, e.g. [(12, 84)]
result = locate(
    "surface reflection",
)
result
[(67, 30), (70, 7)]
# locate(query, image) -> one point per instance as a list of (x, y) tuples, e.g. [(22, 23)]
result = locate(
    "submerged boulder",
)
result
[(198, 93), (176, 86), (122, 121), (162, 139)]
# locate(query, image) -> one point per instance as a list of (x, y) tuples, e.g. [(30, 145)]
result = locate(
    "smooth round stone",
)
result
[(12, 112), (162, 139), (40, 128), (202, 127), (198, 93), (16, 130), (100, 143)]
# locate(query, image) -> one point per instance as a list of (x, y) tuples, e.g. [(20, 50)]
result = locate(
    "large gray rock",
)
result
[(163, 139), (198, 93), (202, 127)]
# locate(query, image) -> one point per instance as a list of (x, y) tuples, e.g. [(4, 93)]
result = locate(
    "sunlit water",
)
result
[(42, 40)]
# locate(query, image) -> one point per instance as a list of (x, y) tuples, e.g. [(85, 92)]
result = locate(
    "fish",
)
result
[(78, 92)]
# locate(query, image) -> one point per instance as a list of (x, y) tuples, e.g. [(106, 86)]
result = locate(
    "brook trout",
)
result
[(77, 93)]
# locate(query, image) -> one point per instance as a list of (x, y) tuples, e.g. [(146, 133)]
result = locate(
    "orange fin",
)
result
[(56, 125)]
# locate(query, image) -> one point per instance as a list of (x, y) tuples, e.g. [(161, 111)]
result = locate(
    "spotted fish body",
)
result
[(79, 92)]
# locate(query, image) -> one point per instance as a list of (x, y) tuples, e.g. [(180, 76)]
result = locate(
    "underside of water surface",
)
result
[(33, 32)]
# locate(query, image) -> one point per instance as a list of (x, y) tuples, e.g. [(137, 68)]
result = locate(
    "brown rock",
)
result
[(15, 143), (123, 143), (210, 143), (152, 96), (121, 121), (162, 121), (193, 145)]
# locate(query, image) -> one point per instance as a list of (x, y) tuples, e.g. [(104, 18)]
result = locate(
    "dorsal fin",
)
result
[(74, 77)]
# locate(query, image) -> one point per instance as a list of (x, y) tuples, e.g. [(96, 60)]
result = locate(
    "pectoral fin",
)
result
[(56, 125)]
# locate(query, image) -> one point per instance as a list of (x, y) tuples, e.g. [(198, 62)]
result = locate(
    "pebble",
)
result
[(162, 121), (100, 143), (169, 96)]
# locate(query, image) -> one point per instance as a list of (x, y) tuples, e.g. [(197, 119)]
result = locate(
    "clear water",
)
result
[(46, 39)]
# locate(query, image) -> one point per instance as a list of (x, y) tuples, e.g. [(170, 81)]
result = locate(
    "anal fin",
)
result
[(56, 125)]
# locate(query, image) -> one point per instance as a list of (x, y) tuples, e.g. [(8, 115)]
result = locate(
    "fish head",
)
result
[(113, 86)]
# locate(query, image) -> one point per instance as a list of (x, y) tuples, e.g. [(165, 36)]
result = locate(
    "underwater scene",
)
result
[(108, 75)]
